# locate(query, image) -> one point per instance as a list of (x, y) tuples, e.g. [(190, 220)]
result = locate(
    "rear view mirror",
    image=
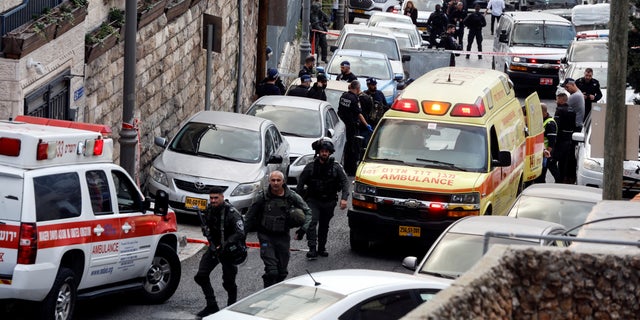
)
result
[(274, 159), (406, 57), (160, 141), (504, 159)]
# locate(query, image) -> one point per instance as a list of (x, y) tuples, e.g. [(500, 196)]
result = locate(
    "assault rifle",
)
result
[(205, 231)]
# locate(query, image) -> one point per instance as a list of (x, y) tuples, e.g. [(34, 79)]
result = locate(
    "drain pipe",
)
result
[(236, 107)]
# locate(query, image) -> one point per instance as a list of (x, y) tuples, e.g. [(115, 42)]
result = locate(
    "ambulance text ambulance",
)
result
[(453, 144), (73, 224)]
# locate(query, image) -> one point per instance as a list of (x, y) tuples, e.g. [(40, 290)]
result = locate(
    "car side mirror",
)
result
[(563, 60), (160, 141), (406, 57), (398, 77), (161, 205), (504, 159), (333, 48), (410, 263), (275, 159), (330, 132), (577, 137)]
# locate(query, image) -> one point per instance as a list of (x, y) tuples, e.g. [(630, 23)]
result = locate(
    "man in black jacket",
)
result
[(590, 88), (437, 24), (448, 42), (350, 113), (302, 89), (224, 227), (475, 22), (317, 91)]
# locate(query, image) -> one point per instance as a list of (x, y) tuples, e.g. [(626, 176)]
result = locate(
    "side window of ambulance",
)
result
[(58, 196), (128, 197), (493, 145), (99, 192)]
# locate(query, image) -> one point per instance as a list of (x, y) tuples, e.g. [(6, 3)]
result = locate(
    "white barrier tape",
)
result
[(325, 32), (502, 54)]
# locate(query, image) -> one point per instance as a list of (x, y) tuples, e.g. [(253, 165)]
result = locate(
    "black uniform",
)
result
[(308, 71), (317, 92), (587, 88), (323, 181), (319, 21), (298, 91), (563, 153), (225, 226), (346, 77), (269, 216), (457, 17), (348, 111), (550, 135), (437, 24), (263, 88), (448, 42), (475, 22)]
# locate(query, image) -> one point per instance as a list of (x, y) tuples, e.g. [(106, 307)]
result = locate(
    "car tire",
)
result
[(357, 244), (60, 303), (163, 276)]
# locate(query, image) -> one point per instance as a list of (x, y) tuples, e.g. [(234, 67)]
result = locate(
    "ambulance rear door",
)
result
[(11, 186), (535, 138)]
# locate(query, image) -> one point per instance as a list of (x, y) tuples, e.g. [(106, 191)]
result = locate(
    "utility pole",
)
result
[(339, 23), (305, 47), (129, 132), (615, 117), (261, 59)]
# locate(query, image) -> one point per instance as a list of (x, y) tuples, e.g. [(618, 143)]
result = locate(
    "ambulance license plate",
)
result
[(358, 11), (406, 231), (546, 81), (195, 203)]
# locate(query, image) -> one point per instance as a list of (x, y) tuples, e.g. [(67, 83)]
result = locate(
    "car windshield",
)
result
[(590, 52), (598, 73), (404, 42), (291, 121), (426, 5), (362, 67), (375, 19), (384, 45), (430, 144), (569, 213), (287, 301), (543, 35), (219, 142), (458, 252)]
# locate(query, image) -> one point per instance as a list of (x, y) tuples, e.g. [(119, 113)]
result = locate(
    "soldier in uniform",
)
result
[(323, 178), (272, 214), (224, 228)]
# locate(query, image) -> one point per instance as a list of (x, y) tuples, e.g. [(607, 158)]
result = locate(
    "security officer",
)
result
[(345, 72), (271, 85), (448, 42), (323, 178), (272, 214), (224, 229), (350, 113), (317, 91), (550, 134), (309, 67), (590, 88)]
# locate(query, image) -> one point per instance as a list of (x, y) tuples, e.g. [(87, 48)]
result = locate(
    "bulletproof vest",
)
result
[(324, 181), (274, 217)]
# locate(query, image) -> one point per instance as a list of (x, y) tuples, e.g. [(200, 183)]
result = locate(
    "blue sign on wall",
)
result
[(78, 93)]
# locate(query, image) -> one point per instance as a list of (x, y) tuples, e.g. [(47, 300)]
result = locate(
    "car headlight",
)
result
[(246, 188), (365, 189), (519, 59), (592, 165), (472, 197), (304, 160), (159, 176)]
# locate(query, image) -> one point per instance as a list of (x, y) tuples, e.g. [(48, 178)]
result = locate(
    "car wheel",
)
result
[(60, 303), (357, 244), (163, 276)]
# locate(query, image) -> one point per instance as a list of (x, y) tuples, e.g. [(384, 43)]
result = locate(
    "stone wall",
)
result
[(171, 71), (539, 284)]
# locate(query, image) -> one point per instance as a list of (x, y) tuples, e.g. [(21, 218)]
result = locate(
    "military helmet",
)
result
[(323, 143), (233, 253)]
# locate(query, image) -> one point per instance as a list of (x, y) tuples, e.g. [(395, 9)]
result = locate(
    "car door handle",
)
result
[(98, 230), (126, 227)]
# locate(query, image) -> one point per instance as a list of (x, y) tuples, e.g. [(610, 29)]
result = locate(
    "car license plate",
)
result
[(546, 81), (195, 203), (422, 28), (406, 231), (358, 11)]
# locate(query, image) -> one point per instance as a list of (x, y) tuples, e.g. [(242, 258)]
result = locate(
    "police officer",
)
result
[(224, 229), (271, 85), (272, 214), (448, 42), (437, 24), (319, 21), (317, 91), (345, 72), (309, 67), (302, 89), (323, 178), (563, 153), (590, 88), (350, 113), (550, 134)]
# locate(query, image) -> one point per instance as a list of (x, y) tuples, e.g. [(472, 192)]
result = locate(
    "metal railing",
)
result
[(23, 13)]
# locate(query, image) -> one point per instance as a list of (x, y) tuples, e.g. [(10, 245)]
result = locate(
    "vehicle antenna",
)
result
[(449, 79), (315, 283)]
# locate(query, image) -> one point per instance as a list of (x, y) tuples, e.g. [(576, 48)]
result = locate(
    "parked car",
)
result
[(565, 204), (367, 64), (461, 245), (348, 294), (214, 148), (375, 39), (587, 48), (366, 8), (403, 30), (425, 8), (302, 121), (378, 17)]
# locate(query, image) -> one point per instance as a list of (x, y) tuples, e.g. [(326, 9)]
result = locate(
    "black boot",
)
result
[(323, 252), (312, 254), (211, 308)]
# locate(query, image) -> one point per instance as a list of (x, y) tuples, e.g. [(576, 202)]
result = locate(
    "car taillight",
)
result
[(28, 245)]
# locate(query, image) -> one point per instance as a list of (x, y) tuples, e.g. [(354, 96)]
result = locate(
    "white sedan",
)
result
[(302, 121), (348, 294)]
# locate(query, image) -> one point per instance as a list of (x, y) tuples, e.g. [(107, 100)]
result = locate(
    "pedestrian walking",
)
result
[(224, 229), (302, 89), (437, 24), (273, 213), (317, 91), (319, 21), (550, 134), (475, 22), (350, 113), (497, 8), (448, 42), (319, 183), (345, 72), (411, 11), (590, 88), (563, 153), (309, 67), (457, 16), (271, 85)]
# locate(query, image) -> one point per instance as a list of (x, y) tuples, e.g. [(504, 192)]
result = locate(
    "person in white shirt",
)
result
[(496, 7)]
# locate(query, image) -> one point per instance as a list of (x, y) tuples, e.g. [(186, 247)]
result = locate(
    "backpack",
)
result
[(375, 108)]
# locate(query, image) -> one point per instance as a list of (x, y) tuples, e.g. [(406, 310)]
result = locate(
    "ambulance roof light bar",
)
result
[(406, 105), (469, 110), (104, 130)]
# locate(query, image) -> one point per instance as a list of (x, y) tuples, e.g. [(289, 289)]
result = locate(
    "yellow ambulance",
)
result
[(455, 143)]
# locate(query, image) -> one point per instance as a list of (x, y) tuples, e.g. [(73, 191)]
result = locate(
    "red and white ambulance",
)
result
[(73, 224)]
